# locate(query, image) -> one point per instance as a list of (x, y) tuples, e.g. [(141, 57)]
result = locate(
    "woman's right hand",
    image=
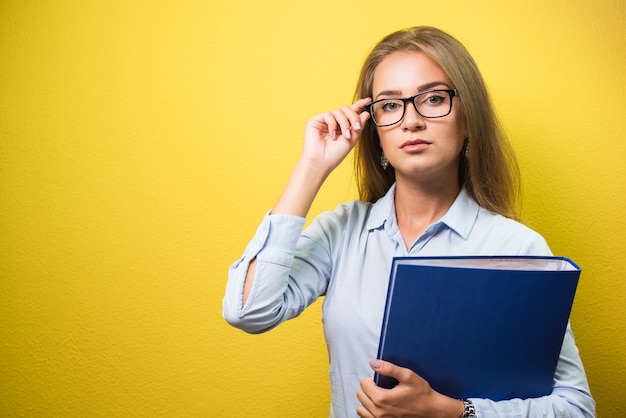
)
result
[(330, 136)]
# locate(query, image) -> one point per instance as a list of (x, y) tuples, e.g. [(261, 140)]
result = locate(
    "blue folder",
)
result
[(478, 327)]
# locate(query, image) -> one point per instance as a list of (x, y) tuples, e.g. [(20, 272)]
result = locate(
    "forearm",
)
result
[(299, 193)]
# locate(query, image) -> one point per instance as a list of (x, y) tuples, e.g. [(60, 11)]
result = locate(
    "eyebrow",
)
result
[(420, 89)]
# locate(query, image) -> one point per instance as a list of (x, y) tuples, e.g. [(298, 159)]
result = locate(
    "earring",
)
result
[(466, 146), (384, 162)]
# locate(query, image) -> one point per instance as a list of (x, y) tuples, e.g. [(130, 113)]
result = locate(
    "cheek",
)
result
[(461, 131), (458, 127), (459, 138)]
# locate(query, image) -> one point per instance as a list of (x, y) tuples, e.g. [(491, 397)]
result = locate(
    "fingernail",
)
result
[(357, 126), (375, 364), (347, 134)]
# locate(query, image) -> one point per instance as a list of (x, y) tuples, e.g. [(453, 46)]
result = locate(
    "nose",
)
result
[(412, 119)]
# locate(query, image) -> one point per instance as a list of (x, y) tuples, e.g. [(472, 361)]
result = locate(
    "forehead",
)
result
[(407, 72)]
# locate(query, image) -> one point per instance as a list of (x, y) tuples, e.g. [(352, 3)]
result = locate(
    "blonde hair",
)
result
[(490, 171)]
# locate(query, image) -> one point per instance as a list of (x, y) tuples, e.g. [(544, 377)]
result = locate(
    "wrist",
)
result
[(447, 407), (314, 169)]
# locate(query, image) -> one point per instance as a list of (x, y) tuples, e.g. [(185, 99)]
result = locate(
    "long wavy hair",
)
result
[(488, 169)]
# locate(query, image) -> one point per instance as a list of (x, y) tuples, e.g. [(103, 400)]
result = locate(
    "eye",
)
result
[(390, 105), (434, 98)]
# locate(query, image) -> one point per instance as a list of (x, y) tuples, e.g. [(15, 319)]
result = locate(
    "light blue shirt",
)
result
[(346, 256)]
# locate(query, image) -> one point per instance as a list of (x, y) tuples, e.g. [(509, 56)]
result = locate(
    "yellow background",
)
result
[(142, 141)]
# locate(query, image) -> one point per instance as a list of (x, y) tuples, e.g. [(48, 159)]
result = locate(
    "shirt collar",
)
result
[(462, 214), (460, 217), (382, 210)]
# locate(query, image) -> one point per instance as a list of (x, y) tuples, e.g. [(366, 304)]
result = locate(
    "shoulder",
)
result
[(345, 221), (344, 215), (511, 234)]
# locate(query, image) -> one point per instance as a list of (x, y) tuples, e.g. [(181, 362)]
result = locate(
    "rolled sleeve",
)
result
[(273, 246)]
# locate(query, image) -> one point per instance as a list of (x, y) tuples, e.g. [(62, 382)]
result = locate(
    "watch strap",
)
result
[(469, 411)]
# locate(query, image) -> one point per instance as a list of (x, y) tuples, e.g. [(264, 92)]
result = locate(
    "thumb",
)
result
[(386, 368)]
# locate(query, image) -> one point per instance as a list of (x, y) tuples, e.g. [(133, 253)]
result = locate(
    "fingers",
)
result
[(359, 105), (347, 121), (376, 401), (366, 407), (362, 115), (412, 393), (362, 412)]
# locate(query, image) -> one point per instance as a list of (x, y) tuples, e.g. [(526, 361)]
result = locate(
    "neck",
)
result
[(419, 205)]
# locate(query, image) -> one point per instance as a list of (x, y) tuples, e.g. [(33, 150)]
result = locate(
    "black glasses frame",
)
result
[(452, 92)]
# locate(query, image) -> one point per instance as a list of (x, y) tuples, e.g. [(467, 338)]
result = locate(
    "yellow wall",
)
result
[(141, 142)]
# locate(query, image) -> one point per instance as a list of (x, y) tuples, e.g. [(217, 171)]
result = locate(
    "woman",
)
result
[(436, 177)]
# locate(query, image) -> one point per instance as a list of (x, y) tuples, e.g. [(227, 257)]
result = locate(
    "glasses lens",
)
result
[(433, 104), (387, 111)]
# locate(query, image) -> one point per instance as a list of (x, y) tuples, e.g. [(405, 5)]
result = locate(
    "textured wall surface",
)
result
[(141, 142)]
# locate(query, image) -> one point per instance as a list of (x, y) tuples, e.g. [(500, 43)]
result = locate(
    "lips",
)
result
[(414, 145)]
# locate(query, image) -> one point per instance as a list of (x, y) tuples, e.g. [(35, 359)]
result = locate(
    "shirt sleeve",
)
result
[(284, 284)]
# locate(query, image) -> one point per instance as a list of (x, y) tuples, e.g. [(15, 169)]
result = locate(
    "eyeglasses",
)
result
[(429, 104)]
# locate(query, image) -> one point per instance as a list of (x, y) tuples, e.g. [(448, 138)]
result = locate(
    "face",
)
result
[(419, 149)]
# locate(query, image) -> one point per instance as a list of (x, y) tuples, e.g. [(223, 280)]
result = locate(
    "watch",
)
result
[(469, 411)]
